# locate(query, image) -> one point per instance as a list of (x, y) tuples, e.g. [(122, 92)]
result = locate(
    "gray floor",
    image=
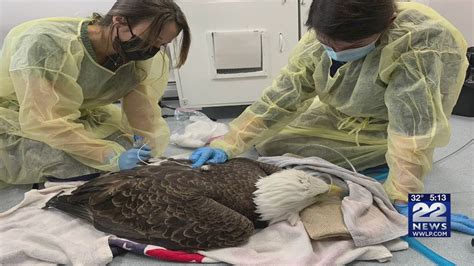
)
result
[(453, 174)]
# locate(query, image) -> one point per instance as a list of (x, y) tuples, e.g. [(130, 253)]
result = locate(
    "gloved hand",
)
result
[(129, 159), (209, 155), (459, 222)]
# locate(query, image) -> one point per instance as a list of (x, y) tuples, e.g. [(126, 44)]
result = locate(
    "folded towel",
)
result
[(324, 220)]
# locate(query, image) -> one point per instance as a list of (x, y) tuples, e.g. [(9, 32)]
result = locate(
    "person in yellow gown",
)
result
[(374, 80), (59, 78)]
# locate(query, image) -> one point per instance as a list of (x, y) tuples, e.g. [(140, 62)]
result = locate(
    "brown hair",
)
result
[(159, 12), (350, 20)]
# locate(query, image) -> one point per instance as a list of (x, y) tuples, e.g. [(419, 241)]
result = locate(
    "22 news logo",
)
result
[(429, 215)]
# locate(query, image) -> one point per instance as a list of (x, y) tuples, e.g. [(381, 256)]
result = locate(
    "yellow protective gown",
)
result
[(391, 106), (52, 91)]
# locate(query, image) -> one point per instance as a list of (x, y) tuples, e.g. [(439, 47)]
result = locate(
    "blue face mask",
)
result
[(350, 54)]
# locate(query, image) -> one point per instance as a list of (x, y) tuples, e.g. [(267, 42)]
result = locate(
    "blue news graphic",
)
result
[(429, 215)]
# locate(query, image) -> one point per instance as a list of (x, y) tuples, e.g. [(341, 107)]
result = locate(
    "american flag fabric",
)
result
[(157, 252)]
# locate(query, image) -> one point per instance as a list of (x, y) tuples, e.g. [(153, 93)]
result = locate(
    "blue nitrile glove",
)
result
[(129, 159), (459, 222), (209, 155)]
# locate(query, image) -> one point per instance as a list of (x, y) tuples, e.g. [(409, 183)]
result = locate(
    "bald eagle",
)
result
[(177, 207)]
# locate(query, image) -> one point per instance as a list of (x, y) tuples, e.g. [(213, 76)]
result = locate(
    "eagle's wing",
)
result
[(168, 210), (160, 205)]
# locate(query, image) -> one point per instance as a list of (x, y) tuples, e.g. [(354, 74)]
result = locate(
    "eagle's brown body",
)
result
[(172, 205)]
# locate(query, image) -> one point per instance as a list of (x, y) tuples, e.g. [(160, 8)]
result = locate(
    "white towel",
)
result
[(198, 133), (31, 235)]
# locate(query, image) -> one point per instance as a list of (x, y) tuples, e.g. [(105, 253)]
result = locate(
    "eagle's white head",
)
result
[(283, 195)]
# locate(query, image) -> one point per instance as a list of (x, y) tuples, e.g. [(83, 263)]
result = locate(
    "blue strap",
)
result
[(427, 252)]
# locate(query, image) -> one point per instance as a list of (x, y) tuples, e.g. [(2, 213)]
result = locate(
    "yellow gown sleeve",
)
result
[(279, 103), (141, 108), (423, 86)]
